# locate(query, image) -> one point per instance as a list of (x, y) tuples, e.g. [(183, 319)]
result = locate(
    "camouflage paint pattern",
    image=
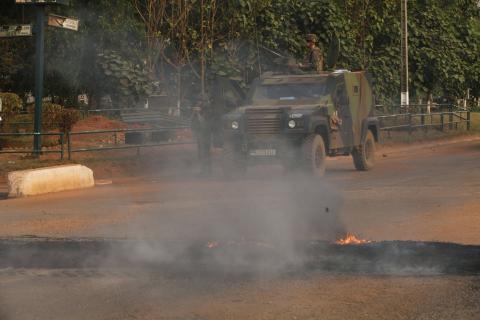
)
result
[(360, 101), (341, 119)]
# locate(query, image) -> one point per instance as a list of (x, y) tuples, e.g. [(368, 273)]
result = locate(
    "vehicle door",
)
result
[(343, 115)]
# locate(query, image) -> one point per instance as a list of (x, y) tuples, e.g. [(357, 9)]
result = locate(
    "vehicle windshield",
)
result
[(289, 92)]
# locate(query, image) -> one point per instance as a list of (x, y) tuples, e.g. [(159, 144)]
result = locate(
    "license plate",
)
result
[(263, 152)]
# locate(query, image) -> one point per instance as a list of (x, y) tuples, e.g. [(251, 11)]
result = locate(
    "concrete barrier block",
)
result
[(51, 179)]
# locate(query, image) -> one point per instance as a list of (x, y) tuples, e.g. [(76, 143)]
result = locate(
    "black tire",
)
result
[(233, 161), (364, 155), (314, 155)]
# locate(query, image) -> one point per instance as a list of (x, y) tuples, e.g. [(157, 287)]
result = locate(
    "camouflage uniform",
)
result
[(314, 60), (207, 114), (202, 128)]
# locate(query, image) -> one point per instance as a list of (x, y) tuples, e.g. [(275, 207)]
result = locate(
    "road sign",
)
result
[(65, 2), (63, 22), (16, 30)]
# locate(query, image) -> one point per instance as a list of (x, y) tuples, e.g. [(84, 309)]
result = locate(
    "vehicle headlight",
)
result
[(235, 125), (292, 124)]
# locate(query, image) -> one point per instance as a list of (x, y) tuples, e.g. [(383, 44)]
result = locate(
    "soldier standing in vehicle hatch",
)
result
[(314, 59)]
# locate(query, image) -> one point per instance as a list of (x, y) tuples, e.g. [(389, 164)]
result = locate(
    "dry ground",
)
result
[(62, 294), (428, 192)]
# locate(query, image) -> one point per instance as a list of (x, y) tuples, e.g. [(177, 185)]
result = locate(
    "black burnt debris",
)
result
[(244, 257)]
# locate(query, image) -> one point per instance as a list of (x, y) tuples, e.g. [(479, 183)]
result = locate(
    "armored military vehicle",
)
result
[(300, 120)]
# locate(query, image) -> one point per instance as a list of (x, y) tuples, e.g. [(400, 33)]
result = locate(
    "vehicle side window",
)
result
[(356, 90)]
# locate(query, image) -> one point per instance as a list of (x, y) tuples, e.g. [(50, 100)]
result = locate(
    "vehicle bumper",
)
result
[(279, 146)]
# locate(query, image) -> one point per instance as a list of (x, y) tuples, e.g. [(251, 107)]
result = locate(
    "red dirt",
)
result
[(98, 123)]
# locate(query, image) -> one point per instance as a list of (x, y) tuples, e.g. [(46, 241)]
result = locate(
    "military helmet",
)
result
[(311, 38)]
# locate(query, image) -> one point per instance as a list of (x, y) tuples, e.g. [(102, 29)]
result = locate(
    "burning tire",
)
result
[(233, 161), (314, 155), (364, 155)]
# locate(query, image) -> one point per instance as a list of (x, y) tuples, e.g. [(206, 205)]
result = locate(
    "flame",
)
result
[(351, 239)]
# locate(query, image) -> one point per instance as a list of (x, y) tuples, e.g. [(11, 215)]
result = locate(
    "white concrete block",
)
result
[(51, 179)]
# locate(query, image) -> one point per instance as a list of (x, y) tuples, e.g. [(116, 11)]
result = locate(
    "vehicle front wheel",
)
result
[(314, 155), (364, 155)]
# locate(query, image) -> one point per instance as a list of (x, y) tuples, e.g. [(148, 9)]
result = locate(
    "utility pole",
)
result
[(39, 77), (404, 98)]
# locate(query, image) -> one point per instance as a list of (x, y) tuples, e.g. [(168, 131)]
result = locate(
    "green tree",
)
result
[(186, 42)]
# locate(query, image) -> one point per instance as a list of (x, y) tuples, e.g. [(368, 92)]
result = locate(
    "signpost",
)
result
[(39, 73), (53, 20), (63, 22), (16, 30)]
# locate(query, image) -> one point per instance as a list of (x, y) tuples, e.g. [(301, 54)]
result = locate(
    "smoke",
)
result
[(230, 220)]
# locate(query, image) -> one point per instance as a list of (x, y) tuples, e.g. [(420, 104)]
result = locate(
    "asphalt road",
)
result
[(426, 192), (421, 193)]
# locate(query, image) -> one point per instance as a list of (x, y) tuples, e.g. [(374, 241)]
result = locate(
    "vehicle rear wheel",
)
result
[(314, 155), (233, 160), (364, 155)]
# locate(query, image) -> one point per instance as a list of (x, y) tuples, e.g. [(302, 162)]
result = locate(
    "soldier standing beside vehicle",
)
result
[(202, 128), (314, 59)]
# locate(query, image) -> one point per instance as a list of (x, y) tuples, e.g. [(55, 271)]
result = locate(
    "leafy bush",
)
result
[(51, 116), (55, 116), (11, 106), (68, 118)]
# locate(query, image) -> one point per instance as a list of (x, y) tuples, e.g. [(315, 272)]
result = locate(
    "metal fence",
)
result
[(117, 144), (116, 138), (60, 149), (438, 120), (67, 145), (112, 113), (416, 108)]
